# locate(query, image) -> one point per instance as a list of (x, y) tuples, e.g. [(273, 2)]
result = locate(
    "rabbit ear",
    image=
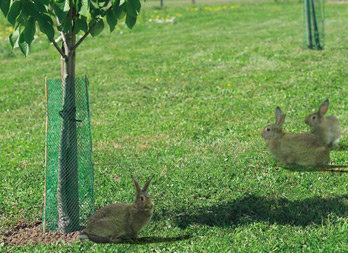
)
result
[(147, 185), (280, 117), (136, 184), (324, 107)]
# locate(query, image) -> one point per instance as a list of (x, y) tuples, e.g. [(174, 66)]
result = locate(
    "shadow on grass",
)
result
[(147, 240), (341, 147), (329, 168), (252, 208)]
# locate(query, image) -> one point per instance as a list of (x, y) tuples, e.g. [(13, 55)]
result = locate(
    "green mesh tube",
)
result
[(84, 186), (314, 16)]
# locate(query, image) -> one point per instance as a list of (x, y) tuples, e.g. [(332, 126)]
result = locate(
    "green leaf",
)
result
[(58, 8), (40, 7), (95, 4), (119, 11), (46, 26), (5, 6), (84, 11), (28, 10), (29, 30), (98, 28), (106, 6), (81, 25), (14, 12), (133, 8), (14, 37), (66, 6), (101, 4), (111, 19), (130, 21), (60, 4), (23, 45), (45, 2), (67, 24)]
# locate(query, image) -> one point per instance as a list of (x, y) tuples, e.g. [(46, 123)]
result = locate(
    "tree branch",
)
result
[(88, 32), (58, 39), (84, 36), (62, 35), (58, 48)]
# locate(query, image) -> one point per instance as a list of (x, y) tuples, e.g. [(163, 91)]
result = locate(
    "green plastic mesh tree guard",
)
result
[(83, 205), (314, 16)]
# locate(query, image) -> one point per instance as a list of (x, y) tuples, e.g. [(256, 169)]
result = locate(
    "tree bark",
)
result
[(68, 199)]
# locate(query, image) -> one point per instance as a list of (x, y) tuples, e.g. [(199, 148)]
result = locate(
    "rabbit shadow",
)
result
[(329, 168), (341, 147), (154, 239), (253, 208)]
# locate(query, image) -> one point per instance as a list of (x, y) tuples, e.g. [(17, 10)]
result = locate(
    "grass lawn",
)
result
[(186, 103)]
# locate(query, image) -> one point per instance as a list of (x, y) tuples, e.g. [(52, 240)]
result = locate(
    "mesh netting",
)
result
[(69, 196), (313, 13)]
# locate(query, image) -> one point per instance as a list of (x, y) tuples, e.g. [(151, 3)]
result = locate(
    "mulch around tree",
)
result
[(23, 234)]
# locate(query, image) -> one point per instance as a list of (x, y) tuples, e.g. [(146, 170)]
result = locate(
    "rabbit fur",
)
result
[(327, 128), (117, 222), (294, 149)]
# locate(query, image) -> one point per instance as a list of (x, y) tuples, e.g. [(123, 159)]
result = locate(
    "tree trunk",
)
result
[(68, 199), (161, 3), (193, 2)]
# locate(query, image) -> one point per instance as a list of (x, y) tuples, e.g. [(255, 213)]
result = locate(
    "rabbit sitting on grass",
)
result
[(294, 149), (326, 128), (117, 222)]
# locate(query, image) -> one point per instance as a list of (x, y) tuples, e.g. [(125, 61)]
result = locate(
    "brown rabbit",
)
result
[(294, 149), (326, 128), (117, 222)]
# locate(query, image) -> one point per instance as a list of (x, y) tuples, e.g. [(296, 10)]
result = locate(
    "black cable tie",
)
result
[(63, 115)]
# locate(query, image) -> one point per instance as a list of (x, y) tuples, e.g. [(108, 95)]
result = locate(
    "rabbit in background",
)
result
[(327, 128), (294, 149), (117, 222)]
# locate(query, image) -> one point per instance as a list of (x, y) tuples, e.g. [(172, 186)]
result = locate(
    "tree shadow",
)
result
[(154, 239), (252, 208)]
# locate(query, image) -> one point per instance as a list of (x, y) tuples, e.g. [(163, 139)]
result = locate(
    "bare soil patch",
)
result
[(23, 234)]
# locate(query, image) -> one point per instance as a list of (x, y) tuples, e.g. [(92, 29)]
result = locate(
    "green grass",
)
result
[(186, 102)]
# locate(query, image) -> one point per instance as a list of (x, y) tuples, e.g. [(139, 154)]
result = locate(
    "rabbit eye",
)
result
[(142, 198), (268, 129), (314, 117)]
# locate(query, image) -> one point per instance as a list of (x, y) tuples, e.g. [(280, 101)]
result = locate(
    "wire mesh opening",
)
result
[(314, 16), (69, 172)]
